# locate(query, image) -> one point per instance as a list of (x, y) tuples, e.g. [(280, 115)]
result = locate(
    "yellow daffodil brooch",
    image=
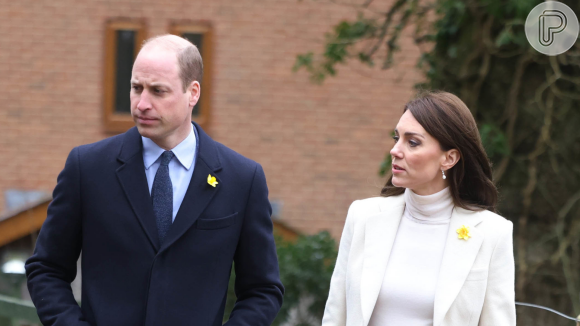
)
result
[(211, 180), (463, 232)]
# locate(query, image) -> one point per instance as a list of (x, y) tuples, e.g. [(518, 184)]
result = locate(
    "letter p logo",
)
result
[(551, 22), (552, 28)]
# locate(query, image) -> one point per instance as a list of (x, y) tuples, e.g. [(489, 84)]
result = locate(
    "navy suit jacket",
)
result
[(101, 207)]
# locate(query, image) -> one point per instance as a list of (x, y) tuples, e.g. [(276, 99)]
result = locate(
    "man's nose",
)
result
[(144, 101)]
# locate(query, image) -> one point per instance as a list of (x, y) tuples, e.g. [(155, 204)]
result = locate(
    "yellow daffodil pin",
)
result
[(463, 232), (211, 180)]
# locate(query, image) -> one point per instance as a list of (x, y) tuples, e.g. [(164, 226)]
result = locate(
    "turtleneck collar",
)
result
[(435, 208)]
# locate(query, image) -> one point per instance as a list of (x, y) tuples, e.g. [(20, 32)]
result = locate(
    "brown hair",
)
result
[(445, 117), (188, 56)]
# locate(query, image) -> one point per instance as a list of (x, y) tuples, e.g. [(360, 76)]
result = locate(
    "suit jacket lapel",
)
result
[(133, 180), (458, 258), (380, 232), (199, 193)]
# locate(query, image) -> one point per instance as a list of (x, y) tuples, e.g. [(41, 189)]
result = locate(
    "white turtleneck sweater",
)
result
[(407, 294)]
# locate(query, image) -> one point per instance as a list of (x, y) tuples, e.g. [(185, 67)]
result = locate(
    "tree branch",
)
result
[(512, 113)]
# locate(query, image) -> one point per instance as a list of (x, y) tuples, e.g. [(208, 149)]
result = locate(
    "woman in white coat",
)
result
[(431, 251)]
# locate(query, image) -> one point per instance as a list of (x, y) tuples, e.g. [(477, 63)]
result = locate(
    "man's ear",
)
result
[(194, 93), (452, 156)]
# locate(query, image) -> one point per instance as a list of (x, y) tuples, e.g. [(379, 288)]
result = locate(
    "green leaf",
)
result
[(505, 37), (494, 140), (386, 163), (303, 60)]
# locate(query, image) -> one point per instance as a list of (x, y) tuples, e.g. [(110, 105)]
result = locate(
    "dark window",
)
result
[(197, 40), (201, 36), (122, 42), (124, 65)]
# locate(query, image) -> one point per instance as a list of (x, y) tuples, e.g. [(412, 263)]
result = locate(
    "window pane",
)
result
[(124, 59), (197, 40)]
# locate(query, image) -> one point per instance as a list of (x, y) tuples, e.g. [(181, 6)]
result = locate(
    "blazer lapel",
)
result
[(380, 232), (458, 258), (133, 180), (199, 193)]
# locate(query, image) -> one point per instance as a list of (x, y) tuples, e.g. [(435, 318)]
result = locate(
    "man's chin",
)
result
[(146, 131)]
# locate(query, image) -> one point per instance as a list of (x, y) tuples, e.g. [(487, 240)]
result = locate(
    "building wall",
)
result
[(320, 145)]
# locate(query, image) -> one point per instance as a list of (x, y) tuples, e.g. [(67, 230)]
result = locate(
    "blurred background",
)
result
[(311, 89)]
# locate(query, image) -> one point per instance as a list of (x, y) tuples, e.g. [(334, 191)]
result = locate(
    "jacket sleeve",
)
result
[(258, 288), (499, 305), (52, 267), (335, 310)]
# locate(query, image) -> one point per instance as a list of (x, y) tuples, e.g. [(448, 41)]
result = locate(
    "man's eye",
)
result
[(137, 88)]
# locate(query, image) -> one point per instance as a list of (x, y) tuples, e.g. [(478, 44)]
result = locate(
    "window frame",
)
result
[(113, 121), (205, 28)]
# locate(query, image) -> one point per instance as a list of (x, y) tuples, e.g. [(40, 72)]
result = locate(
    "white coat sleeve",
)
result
[(499, 306), (335, 310)]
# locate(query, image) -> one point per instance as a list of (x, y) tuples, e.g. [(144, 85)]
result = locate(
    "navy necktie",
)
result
[(162, 195)]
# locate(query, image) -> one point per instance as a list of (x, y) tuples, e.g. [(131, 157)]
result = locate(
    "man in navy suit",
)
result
[(159, 214)]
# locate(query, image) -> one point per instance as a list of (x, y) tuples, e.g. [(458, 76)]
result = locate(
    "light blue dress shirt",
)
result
[(180, 168)]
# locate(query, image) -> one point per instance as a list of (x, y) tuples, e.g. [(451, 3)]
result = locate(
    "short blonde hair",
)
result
[(188, 57)]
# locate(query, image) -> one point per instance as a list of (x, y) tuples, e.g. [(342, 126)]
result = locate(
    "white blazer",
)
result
[(476, 280)]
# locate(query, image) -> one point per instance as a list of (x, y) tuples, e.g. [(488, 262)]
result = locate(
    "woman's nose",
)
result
[(395, 152)]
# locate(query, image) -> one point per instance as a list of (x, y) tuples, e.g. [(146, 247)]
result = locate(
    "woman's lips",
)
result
[(397, 169)]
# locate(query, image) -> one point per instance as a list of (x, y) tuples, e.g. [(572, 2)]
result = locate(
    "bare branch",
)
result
[(512, 113), (385, 26)]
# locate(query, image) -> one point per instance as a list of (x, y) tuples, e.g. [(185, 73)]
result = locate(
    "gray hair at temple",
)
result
[(188, 56)]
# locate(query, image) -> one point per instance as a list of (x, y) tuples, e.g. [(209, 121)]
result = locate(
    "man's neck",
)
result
[(171, 141)]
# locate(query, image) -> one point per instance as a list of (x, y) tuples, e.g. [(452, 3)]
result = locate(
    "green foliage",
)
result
[(305, 270), (386, 163), (306, 267), (494, 141), (337, 48)]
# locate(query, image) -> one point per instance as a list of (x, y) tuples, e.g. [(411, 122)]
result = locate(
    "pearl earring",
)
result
[(444, 177)]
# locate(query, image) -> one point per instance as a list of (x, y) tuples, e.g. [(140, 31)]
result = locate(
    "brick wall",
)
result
[(320, 145)]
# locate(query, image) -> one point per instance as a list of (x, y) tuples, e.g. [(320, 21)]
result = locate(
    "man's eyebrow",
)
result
[(158, 84), (409, 133)]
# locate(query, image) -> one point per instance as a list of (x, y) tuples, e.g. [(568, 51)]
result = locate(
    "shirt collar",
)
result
[(184, 151)]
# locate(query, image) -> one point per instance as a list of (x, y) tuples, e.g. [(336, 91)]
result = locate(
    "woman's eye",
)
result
[(411, 142)]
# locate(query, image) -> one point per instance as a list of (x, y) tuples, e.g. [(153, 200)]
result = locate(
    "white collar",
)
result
[(184, 151), (436, 207)]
